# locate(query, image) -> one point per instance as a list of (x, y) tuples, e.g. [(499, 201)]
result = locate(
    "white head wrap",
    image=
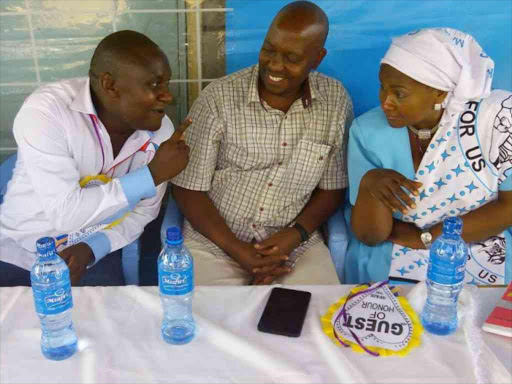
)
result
[(444, 59)]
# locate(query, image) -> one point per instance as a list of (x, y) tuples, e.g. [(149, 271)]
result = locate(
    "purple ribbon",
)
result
[(343, 313)]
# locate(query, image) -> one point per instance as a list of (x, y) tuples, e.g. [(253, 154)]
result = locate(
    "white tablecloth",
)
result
[(120, 342)]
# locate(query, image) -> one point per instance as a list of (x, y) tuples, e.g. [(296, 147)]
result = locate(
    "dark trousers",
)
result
[(107, 272)]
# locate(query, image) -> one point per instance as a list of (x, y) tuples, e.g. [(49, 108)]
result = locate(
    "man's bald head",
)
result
[(130, 83), (120, 50), (301, 16)]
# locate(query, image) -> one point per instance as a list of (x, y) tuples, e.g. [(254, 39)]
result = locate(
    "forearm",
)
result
[(74, 207), (53, 172), (319, 208), (476, 227), (204, 217), (371, 221)]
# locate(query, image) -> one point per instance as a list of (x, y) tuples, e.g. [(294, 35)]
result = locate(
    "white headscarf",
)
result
[(444, 59)]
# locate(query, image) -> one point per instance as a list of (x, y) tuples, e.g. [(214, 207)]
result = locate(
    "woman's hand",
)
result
[(406, 234), (387, 186)]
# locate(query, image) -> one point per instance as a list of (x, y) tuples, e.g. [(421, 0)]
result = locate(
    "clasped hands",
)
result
[(265, 260)]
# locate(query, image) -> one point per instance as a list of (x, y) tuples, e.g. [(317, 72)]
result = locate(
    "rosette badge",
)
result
[(373, 319)]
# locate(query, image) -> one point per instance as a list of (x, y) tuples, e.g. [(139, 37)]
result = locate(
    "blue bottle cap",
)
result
[(452, 225), (174, 235), (45, 247)]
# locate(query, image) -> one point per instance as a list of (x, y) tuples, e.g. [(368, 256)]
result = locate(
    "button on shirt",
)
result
[(259, 164), (59, 148)]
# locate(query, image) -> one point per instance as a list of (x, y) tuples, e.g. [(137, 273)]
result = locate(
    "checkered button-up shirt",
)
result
[(259, 164)]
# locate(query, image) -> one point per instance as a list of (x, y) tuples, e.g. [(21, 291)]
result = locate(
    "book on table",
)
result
[(500, 319)]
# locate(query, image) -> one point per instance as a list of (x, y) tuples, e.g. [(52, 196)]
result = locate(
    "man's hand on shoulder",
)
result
[(77, 257), (171, 157)]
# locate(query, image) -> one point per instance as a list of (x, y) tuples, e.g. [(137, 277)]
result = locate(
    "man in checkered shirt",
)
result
[(267, 162)]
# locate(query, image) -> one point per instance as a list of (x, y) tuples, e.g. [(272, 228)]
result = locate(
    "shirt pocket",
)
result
[(306, 167)]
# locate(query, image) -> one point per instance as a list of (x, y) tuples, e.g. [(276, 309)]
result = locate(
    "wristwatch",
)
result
[(426, 238), (304, 235)]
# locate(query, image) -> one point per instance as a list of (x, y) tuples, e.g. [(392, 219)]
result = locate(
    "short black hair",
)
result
[(120, 49)]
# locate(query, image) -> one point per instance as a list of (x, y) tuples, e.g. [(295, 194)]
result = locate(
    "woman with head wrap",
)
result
[(439, 145)]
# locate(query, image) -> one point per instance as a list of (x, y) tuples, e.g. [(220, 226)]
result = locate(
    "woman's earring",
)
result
[(437, 107)]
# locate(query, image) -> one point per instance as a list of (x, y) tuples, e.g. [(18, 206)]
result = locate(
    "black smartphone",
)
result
[(285, 312)]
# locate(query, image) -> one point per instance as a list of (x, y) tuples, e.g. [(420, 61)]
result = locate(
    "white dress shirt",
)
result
[(62, 143)]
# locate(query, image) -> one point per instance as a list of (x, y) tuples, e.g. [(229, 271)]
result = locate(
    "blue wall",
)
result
[(361, 31)]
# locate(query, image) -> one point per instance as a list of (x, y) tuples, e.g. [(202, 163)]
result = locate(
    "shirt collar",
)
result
[(83, 104), (254, 96), (310, 93), (314, 92), (83, 100)]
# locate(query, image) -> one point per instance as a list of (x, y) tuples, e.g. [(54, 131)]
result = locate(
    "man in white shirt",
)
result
[(94, 157)]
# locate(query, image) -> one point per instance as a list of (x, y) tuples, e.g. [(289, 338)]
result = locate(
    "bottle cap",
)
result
[(174, 235), (45, 247), (452, 225)]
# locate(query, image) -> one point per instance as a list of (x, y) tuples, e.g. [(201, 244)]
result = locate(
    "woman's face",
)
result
[(407, 102)]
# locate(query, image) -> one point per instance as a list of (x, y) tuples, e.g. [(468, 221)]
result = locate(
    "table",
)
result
[(120, 342)]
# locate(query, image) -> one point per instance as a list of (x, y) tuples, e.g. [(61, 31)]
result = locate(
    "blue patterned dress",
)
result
[(374, 144)]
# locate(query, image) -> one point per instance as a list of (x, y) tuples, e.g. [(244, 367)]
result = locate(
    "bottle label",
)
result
[(176, 283), (54, 301), (445, 272)]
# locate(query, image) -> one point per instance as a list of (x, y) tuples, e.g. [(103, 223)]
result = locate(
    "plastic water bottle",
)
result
[(52, 296), (445, 277), (176, 284)]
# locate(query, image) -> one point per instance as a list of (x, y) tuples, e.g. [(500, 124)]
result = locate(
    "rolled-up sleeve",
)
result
[(203, 138), (335, 175)]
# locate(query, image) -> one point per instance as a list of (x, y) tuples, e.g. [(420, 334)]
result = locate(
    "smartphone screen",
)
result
[(285, 312)]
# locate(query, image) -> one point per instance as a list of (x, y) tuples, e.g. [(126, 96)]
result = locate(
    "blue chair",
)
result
[(335, 230), (6, 169), (130, 253), (337, 240)]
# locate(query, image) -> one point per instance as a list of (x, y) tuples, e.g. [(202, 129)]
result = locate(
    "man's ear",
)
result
[(319, 58), (108, 84)]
